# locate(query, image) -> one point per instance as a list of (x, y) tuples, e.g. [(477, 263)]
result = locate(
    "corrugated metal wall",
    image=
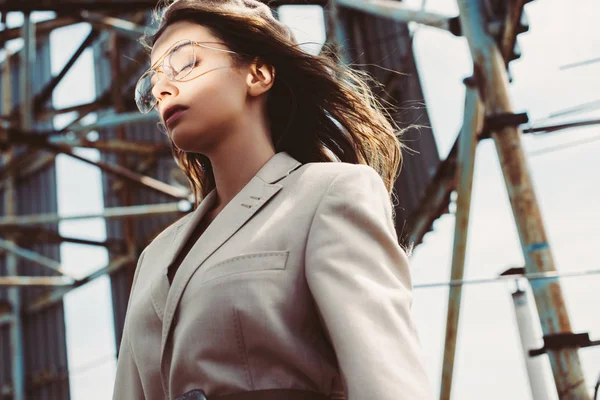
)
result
[(44, 331), (381, 42)]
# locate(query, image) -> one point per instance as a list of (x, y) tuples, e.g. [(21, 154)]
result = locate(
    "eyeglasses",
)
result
[(176, 64)]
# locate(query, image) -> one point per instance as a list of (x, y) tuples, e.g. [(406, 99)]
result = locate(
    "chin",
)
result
[(188, 141)]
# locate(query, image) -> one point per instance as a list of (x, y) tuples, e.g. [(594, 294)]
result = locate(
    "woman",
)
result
[(287, 281)]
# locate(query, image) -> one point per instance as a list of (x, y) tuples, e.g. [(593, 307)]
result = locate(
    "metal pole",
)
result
[(535, 366), (473, 125), (492, 79)]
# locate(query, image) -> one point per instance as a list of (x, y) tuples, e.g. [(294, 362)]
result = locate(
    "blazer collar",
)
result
[(257, 192), (278, 167)]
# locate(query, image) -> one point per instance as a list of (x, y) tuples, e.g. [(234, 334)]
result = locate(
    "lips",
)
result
[(172, 113)]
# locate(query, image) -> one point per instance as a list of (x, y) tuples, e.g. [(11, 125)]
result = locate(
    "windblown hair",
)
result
[(319, 109)]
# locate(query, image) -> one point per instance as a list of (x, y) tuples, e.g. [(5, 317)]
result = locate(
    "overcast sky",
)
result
[(489, 362)]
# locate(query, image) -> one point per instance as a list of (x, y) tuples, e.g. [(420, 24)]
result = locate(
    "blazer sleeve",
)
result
[(359, 277), (128, 384)]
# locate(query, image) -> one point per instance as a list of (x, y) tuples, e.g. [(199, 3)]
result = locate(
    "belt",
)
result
[(269, 394)]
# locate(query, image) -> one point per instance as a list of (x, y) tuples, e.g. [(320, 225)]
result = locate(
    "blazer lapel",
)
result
[(261, 188), (185, 230), (159, 287)]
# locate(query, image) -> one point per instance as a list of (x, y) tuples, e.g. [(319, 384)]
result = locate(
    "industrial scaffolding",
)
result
[(142, 194)]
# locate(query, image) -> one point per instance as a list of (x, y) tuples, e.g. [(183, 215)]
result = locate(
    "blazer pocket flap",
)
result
[(251, 262)]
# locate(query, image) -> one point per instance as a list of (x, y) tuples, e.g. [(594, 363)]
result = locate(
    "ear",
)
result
[(261, 76)]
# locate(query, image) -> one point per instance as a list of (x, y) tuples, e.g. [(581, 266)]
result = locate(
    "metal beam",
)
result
[(42, 29), (113, 6), (33, 256), (114, 120), (33, 234), (24, 165), (468, 139), (56, 295), (68, 6), (400, 12), (105, 99), (122, 172), (46, 93), (109, 213), (5, 319), (126, 28), (511, 23), (15, 281), (492, 81), (81, 109), (118, 146)]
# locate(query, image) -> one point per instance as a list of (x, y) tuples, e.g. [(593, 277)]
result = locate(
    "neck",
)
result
[(237, 160)]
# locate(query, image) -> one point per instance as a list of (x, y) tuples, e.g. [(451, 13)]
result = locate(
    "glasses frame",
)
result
[(158, 66)]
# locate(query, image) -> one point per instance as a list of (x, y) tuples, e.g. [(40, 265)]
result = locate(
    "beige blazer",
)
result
[(299, 282)]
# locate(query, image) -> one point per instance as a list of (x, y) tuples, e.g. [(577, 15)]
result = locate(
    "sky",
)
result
[(489, 361)]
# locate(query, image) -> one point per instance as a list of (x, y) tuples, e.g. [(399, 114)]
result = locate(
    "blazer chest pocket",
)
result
[(250, 262)]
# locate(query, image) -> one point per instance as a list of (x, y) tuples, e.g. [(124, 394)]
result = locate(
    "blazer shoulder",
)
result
[(326, 172)]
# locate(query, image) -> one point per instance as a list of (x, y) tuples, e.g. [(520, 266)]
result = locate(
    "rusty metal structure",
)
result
[(144, 191)]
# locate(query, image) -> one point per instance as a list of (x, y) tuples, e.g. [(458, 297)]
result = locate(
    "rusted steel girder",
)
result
[(468, 139)]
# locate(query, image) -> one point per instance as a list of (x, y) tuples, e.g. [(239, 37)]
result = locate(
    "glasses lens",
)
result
[(144, 98), (180, 61)]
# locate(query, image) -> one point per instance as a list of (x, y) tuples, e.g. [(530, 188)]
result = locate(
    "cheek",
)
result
[(221, 95), (215, 105)]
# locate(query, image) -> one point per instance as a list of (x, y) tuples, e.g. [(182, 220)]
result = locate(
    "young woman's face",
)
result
[(200, 108)]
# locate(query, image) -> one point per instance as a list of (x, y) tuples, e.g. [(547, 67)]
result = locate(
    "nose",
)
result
[(163, 88)]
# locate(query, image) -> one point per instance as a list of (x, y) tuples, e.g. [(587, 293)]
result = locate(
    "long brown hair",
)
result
[(319, 109)]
